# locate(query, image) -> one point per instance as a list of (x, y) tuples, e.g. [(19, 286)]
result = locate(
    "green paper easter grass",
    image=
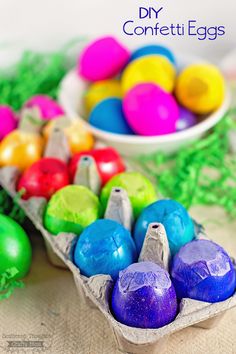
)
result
[(201, 174), (35, 73), (10, 207), (8, 283)]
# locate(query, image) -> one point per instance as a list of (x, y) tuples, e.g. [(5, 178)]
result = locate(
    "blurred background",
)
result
[(48, 24)]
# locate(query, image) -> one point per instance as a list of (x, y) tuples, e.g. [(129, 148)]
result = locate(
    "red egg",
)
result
[(109, 162), (44, 178)]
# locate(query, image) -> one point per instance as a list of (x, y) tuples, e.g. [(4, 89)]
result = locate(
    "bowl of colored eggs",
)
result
[(143, 101)]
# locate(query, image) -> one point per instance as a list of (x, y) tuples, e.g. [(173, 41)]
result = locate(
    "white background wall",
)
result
[(47, 24)]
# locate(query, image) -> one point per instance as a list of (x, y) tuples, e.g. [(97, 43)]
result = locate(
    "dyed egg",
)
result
[(153, 50), (104, 247), (15, 248), (71, 209), (109, 163), (47, 107), (200, 88), (101, 90), (8, 121), (102, 59), (150, 111), (175, 218), (203, 271), (21, 149), (186, 119), (140, 190), (108, 115), (44, 178), (144, 296), (78, 137), (149, 69)]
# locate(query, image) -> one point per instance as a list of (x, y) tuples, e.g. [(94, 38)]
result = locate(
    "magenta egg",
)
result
[(150, 111), (48, 108), (8, 121), (102, 59)]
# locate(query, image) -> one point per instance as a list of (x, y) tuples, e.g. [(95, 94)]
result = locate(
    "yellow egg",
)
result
[(21, 149), (200, 88), (99, 91), (79, 138), (154, 69)]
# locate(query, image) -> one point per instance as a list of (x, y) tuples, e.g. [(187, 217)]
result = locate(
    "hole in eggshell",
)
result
[(85, 158), (155, 226), (117, 190)]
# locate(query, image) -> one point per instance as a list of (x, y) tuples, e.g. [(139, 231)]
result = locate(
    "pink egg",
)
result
[(8, 121), (102, 59), (150, 111), (48, 108)]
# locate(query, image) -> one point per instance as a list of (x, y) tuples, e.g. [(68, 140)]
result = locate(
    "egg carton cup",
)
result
[(95, 291)]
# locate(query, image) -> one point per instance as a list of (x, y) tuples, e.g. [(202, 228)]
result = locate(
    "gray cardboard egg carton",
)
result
[(95, 291)]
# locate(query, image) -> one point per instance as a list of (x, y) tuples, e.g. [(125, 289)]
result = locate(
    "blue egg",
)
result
[(153, 50), (108, 115), (203, 271), (104, 247), (175, 218)]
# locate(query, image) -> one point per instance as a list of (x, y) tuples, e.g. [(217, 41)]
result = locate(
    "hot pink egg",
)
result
[(150, 111), (8, 121), (102, 59), (49, 109)]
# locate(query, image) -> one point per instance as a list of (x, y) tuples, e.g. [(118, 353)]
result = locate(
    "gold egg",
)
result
[(21, 149)]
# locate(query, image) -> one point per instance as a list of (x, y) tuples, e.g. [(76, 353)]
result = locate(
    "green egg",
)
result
[(71, 209), (15, 248), (140, 190)]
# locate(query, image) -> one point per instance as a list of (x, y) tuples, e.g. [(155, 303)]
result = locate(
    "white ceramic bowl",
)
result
[(71, 98)]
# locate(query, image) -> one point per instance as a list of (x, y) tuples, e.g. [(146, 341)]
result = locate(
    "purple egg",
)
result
[(187, 119), (144, 296), (203, 271), (8, 121)]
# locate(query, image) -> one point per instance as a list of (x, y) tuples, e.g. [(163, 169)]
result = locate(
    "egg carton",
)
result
[(95, 291)]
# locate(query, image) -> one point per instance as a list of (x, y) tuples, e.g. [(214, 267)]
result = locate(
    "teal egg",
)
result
[(104, 247), (175, 218)]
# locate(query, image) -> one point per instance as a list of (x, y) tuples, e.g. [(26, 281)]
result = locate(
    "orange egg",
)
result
[(21, 149), (79, 138)]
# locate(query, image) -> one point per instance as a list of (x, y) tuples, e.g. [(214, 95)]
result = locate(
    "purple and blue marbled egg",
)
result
[(144, 296), (203, 271)]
